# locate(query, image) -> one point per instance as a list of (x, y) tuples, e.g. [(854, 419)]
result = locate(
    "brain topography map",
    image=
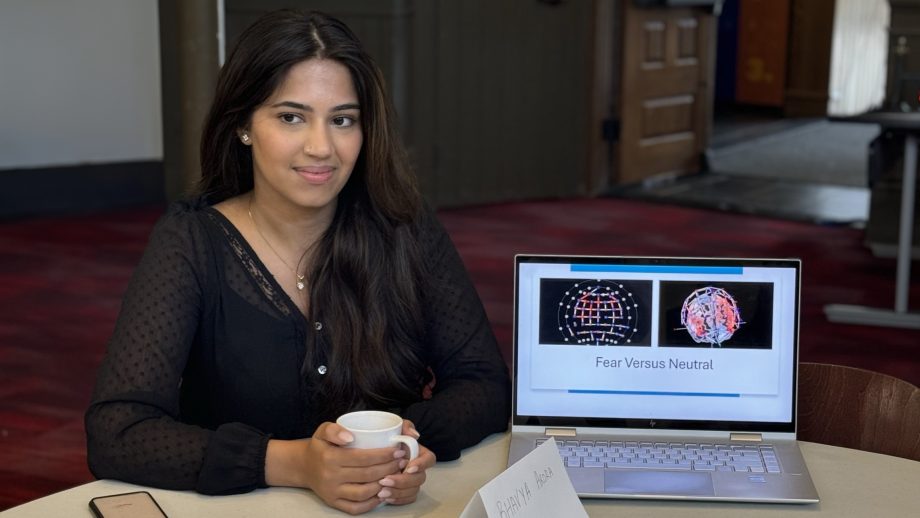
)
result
[(599, 312), (710, 315), (736, 315)]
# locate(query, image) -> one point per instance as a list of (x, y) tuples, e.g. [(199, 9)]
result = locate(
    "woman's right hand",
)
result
[(345, 478)]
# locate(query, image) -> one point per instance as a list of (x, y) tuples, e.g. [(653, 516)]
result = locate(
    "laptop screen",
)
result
[(628, 342)]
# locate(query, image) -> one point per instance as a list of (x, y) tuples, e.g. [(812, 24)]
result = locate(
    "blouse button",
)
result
[(321, 369), (318, 326)]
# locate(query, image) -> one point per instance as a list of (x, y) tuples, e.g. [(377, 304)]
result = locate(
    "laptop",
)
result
[(661, 378)]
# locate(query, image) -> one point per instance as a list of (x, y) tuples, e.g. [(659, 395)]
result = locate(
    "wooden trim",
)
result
[(601, 101), (709, 27), (809, 95), (809, 66), (188, 65)]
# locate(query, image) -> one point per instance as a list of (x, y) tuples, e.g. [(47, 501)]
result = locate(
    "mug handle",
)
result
[(410, 443)]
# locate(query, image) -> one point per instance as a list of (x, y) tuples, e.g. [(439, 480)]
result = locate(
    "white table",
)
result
[(851, 483)]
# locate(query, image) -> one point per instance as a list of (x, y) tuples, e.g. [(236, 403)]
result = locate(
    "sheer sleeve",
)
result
[(133, 426), (472, 394)]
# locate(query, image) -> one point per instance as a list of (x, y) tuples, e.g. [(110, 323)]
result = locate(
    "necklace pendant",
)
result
[(300, 285)]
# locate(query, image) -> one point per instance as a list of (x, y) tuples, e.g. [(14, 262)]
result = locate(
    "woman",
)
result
[(304, 281)]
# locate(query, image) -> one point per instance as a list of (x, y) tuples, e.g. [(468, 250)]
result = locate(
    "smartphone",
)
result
[(139, 504)]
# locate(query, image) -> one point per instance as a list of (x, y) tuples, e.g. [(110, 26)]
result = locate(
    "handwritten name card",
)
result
[(536, 485)]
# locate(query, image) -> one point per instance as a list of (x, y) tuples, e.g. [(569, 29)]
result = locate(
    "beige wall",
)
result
[(79, 82)]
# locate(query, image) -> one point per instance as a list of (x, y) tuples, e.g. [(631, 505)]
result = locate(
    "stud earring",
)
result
[(245, 138)]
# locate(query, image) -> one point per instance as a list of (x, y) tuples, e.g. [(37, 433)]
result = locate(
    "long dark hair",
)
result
[(366, 272)]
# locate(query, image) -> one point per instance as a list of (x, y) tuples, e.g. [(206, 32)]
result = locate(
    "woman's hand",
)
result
[(402, 488), (345, 478)]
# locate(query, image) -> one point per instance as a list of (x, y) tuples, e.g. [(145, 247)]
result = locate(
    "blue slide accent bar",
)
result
[(651, 393), (646, 268)]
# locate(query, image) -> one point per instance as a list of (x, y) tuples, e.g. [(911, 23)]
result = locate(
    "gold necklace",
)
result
[(300, 277)]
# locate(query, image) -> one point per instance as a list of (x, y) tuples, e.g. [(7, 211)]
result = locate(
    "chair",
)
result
[(859, 409)]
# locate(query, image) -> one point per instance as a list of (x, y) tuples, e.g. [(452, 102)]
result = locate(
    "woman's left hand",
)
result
[(402, 488)]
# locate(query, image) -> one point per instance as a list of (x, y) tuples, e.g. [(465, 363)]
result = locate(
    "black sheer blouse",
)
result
[(210, 358)]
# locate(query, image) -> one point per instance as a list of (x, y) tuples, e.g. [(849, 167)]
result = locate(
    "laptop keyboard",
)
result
[(668, 456)]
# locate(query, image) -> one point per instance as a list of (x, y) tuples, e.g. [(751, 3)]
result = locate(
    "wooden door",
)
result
[(667, 84), (811, 31), (763, 31)]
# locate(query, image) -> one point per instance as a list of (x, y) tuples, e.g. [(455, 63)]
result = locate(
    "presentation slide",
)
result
[(656, 335)]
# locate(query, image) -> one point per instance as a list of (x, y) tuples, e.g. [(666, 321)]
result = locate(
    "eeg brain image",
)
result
[(710, 315), (594, 312), (718, 315), (597, 313)]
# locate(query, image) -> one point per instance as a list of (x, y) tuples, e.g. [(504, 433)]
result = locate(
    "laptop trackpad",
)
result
[(657, 483)]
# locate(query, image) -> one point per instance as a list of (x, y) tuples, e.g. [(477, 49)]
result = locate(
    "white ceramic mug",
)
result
[(376, 429)]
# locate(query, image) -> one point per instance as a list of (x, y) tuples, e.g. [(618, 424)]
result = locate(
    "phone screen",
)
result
[(139, 504)]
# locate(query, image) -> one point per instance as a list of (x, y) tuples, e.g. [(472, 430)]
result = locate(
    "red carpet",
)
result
[(61, 280)]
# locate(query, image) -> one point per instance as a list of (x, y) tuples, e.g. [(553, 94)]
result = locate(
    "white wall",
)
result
[(79, 82)]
